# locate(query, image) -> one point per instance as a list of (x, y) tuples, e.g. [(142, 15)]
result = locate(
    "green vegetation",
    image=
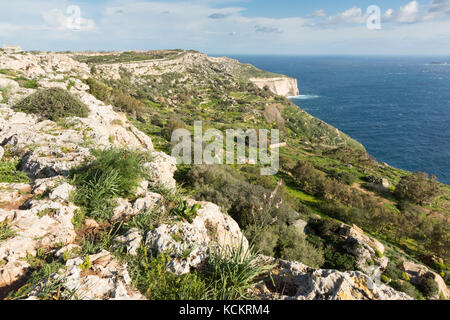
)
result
[(128, 56), (53, 104), (233, 271), (6, 231), (113, 173), (185, 212), (10, 173), (417, 188)]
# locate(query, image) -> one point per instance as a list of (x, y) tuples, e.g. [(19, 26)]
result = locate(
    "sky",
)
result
[(325, 27)]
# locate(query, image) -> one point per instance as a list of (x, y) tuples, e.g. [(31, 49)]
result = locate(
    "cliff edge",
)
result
[(283, 86)]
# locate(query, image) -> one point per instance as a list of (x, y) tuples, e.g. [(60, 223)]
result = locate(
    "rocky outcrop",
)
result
[(282, 86), (296, 281), (189, 243), (44, 225), (103, 278), (367, 250), (418, 272)]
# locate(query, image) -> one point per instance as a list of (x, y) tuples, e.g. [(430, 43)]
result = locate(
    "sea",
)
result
[(397, 107)]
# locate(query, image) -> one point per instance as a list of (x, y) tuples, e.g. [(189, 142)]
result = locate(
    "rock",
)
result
[(283, 86), (13, 195), (45, 224), (162, 169), (297, 281), (5, 83), (192, 240), (148, 202), (360, 245), (106, 278), (385, 183), (2, 152), (417, 272), (300, 225), (131, 240), (62, 192), (71, 247), (91, 223)]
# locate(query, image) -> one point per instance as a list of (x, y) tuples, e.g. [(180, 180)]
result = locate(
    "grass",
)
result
[(10, 173), (114, 173), (53, 104), (6, 232), (151, 278), (233, 272), (185, 212)]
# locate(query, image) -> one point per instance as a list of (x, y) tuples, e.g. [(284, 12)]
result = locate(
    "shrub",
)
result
[(407, 288), (53, 104), (113, 173), (5, 231), (173, 124), (293, 245), (98, 89), (124, 102), (417, 188), (185, 212), (405, 277), (10, 173), (151, 279), (428, 286), (384, 278), (232, 272)]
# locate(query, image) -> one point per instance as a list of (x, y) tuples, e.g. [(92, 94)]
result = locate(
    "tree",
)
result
[(417, 188)]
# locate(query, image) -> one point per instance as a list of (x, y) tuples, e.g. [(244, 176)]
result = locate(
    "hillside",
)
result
[(92, 205)]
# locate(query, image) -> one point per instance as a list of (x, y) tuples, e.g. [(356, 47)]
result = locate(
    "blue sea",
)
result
[(397, 107)]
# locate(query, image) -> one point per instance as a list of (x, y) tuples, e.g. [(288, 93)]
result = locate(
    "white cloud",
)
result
[(139, 24), (409, 13)]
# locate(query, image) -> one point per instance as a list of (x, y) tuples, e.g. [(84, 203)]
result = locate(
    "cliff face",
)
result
[(283, 86)]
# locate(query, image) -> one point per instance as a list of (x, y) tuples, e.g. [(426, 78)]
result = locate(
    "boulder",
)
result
[(162, 169), (105, 278), (294, 280), (44, 225), (417, 272), (131, 240), (189, 243)]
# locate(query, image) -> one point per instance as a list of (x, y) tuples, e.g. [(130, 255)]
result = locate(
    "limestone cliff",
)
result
[(283, 86)]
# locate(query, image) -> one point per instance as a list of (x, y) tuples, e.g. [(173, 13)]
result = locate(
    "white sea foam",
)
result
[(303, 97)]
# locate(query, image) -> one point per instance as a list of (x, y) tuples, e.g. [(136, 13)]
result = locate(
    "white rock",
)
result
[(162, 169), (188, 243), (131, 240), (300, 282), (62, 192)]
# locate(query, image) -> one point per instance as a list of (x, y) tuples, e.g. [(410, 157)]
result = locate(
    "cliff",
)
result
[(282, 86)]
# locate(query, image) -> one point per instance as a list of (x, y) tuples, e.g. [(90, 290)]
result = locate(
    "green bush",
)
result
[(186, 212), (417, 188), (113, 173), (384, 278), (232, 272), (125, 103), (407, 288), (151, 278), (428, 286), (10, 173), (53, 104), (98, 90), (6, 231), (405, 277), (292, 245)]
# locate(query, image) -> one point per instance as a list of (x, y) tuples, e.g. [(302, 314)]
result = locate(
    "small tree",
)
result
[(417, 188)]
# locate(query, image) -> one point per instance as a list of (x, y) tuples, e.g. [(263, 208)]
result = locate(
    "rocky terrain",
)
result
[(53, 247)]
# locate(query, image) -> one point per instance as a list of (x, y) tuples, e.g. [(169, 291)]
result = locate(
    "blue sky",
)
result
[(406, 27)]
